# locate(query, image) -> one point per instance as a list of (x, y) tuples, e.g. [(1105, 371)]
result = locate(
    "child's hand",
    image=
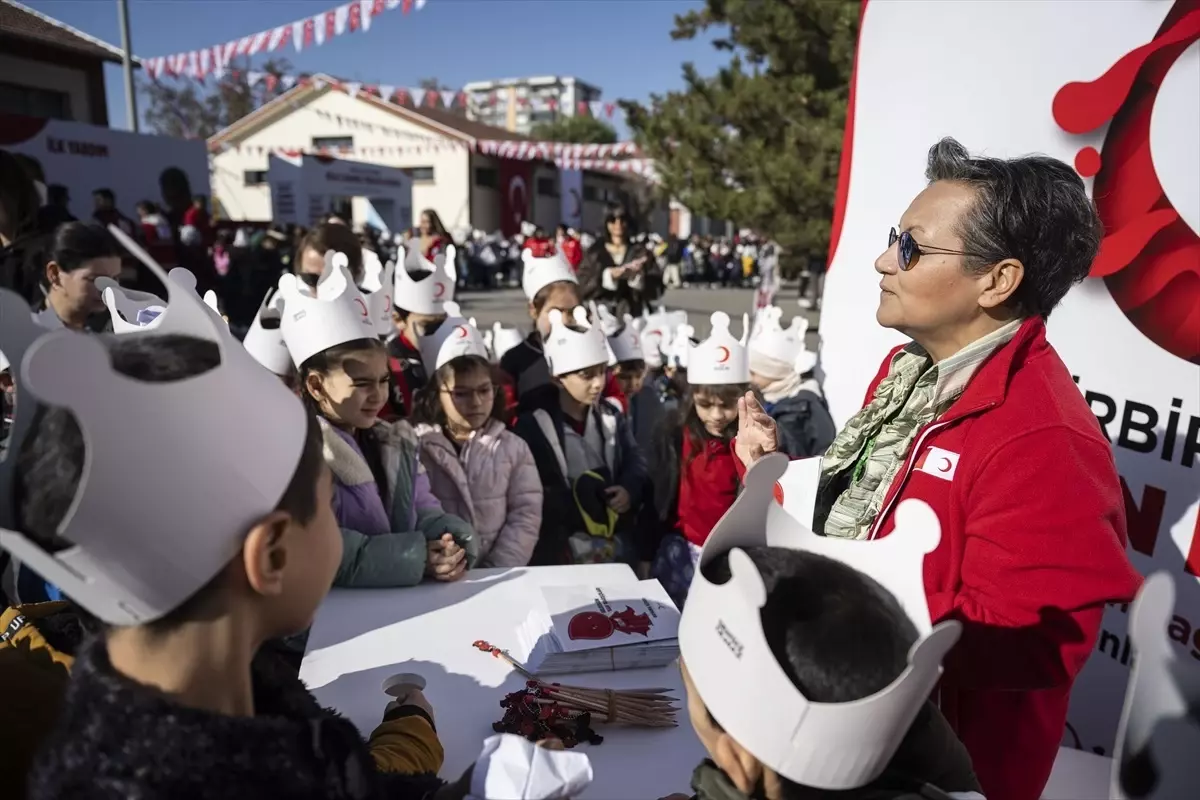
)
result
[(757, 434), (445, 560), (618, 499), (415, 697)]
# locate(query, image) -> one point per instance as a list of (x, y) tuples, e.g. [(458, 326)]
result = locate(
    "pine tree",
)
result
[(578, 129), (759, 142)]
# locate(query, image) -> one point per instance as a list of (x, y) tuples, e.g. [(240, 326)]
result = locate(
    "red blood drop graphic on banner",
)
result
[(592, 625), (1150, 257)]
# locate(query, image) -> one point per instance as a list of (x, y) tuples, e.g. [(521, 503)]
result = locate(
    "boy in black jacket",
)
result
[(591, 468)]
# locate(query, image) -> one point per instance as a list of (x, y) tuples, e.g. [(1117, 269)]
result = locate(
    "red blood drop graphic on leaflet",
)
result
[(1150, 257), (592, 625)]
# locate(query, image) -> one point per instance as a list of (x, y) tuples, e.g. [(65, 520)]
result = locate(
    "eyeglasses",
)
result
[(482, 394), (910, 250), (614, 220)]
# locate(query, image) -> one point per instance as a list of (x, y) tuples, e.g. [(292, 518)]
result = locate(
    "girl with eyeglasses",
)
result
[(478, 469)]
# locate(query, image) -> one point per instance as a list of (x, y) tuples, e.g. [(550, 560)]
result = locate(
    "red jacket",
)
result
[(707, 487), (1033, 546), (572, 251)]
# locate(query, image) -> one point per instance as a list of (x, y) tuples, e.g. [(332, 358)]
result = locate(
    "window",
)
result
[(547, 187), (31, 102), (487, 177), (420, 173), (333, 142), (255, 177)]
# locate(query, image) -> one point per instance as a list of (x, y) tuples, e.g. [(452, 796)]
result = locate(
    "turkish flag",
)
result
[(516, 178)]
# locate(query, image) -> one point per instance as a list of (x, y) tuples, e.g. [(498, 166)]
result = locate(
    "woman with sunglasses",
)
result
[(979, 417), (616, 271)]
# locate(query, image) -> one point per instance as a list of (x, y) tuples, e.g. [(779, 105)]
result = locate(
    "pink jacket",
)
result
[(493, 484)]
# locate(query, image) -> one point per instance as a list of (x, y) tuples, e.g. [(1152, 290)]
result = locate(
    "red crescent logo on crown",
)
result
[(724, 351), (461, 331), (439, 290), (363, 306), (1150, 253)]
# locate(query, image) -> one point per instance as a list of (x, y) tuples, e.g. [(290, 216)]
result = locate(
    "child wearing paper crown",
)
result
[(420, 291), (697, 479), (477, 468), (190, 588), (394, 530), (781, 368), (592, 470), (808, 664)]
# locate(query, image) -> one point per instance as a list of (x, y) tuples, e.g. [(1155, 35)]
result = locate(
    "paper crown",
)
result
[(377, 287), (1158, 718), (719, 359), (145, 536), (541, 272), (264, 340), (569, 350), (501, 339), (430, 293), (786, 345), (133, 311), (624, 342), (678, 350), (454, 338), (823, 745), (333, 313)]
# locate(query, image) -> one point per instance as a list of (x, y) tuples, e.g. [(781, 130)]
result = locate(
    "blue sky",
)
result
[(623, 46)]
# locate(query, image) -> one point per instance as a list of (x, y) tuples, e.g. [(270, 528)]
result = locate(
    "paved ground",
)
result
[(508, 306)]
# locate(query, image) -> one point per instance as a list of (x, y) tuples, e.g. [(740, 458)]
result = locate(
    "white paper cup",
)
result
[(400, 685)]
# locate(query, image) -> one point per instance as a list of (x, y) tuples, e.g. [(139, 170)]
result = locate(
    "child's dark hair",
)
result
[(330, 236), (327, 361), (693, 428), (51, 458), (543, 295), (76, 243), (837, 634), (427, 407)]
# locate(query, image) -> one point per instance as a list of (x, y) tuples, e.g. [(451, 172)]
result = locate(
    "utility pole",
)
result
[(131, 115)]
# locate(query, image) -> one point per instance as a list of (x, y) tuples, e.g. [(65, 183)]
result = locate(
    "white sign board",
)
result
[(303, 188), (134, 166), (1113, 88)]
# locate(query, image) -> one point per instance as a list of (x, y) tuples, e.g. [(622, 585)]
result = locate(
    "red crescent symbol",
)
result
[(778, 493), (363, 306), (947, 466), (724, 351), (439, 290), (462, 331)]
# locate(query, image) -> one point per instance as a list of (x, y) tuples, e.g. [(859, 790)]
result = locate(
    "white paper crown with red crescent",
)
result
[(429, 294), (127, 306), (454, 338), (332, 313), (150, 525), (624, 341), (719, 359), (377, 286), (787, 345), (568, 350), (833, 746), (501, 339), (541, 272), (264, 340)]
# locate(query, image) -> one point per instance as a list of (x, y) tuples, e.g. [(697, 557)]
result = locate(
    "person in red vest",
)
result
[(569, 245)]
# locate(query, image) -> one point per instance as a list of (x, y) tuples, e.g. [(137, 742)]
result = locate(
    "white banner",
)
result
[(570, 193), (1132, 334), (303, 188), (134, 166)]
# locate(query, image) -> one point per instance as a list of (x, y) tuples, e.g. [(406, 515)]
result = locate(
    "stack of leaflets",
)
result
[(598, 629)]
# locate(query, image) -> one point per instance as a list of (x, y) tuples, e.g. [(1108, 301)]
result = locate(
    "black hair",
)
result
[(107, 194), (435, 223), (76, 243), (51, 458), (837, 634), (56, 193), (19, 200), (327, 361), (1034, 209), (427, 406), (612, 211), (415, 275), (633, 364), (693, 428), (543, 294), (149, 206), (330, 236)]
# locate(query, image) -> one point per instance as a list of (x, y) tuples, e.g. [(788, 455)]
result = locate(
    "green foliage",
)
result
[(759, 142), (188, 109), (577, 129)]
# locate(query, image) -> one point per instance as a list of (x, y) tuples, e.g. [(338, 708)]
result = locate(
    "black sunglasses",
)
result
[(909, 250)]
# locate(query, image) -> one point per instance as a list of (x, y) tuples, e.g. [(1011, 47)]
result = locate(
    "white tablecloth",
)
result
[(362, 636)]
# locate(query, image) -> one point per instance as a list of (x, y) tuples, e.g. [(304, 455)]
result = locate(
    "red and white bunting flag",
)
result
[(353, 16), (448, 99), (386, 91), (353, 88), (595, 107), (287, 81), (341, 18), (418, 96)]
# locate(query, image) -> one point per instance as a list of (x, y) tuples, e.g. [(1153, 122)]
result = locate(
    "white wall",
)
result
[(41, 75), (447, 193)]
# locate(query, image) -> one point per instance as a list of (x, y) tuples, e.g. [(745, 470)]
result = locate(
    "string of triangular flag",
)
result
[(312, 31)]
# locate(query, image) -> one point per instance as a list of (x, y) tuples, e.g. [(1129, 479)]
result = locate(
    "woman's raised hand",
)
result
[(757, 434)]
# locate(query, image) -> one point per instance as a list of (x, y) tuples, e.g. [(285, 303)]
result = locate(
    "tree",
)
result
[(190, 109), (578, 129), (759, 142)]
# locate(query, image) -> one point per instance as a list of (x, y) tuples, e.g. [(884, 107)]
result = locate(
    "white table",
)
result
[(362, 636), (1078, 775)]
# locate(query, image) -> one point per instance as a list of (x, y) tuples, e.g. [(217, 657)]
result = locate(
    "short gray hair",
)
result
[(1032, 208)]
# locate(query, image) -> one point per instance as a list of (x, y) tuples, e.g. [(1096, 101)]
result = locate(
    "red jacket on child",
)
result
[(1033, 546), (708, 485)]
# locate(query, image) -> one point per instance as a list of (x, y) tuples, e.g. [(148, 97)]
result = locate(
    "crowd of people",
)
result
[(365, 433)]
